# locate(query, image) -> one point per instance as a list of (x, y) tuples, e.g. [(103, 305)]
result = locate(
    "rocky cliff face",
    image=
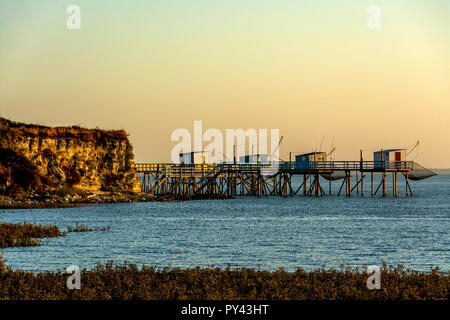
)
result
[(38, 158)]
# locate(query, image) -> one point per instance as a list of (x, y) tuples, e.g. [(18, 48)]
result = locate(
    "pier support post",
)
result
[(394, 183), (317, 185), (371, 182), (304, 184), (406, 180), (349, 184), (362, 184), (357, 185)]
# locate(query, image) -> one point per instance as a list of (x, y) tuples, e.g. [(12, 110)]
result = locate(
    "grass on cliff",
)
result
[(127, 281), (10, 129)]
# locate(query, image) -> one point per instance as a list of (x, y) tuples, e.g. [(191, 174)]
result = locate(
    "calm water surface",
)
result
[(271, 233)]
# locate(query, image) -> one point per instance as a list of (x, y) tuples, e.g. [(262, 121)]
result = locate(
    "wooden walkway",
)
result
[(263, 180)]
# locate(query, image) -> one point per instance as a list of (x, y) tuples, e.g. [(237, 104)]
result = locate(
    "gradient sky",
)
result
[(309, 68)]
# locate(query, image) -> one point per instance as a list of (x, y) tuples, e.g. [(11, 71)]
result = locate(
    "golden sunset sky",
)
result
[(309, 68)]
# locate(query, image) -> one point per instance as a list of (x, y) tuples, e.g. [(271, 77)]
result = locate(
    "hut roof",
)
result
[(311, 153), (391, 150)]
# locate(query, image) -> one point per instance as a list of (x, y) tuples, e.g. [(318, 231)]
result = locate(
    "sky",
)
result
[(312, 69)]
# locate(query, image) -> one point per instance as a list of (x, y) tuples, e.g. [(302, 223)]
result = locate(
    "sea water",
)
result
[(268, 233)]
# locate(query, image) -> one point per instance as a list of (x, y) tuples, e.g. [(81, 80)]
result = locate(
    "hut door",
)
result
[(398, 156)]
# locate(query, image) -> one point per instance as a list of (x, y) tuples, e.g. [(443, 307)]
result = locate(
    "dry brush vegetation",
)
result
[(26, 234), (127, 281)]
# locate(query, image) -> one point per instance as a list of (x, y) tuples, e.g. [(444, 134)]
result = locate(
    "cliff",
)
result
[(43, 159)]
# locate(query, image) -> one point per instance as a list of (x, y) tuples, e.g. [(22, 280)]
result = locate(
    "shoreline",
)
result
[(61, 201)]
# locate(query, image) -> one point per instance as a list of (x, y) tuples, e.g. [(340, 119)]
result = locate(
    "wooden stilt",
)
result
[(349, 184), (383, 173), (317, 184), (247, 180), (393, 184), (304, 184), (406, 180), (357, 185), (362, 184), (371, 182), (342, 185), (409, 187)]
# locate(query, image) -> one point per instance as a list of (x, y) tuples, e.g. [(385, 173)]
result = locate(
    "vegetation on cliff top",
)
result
[(18, 129)]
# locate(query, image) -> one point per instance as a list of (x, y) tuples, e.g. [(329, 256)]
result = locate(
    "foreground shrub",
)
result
[(127, 281)]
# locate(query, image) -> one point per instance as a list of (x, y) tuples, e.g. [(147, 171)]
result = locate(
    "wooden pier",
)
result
[(262, 180)]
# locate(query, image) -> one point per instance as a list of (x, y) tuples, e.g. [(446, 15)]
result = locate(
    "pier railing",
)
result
[(171, 169), (348, 165), (203, 169)]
